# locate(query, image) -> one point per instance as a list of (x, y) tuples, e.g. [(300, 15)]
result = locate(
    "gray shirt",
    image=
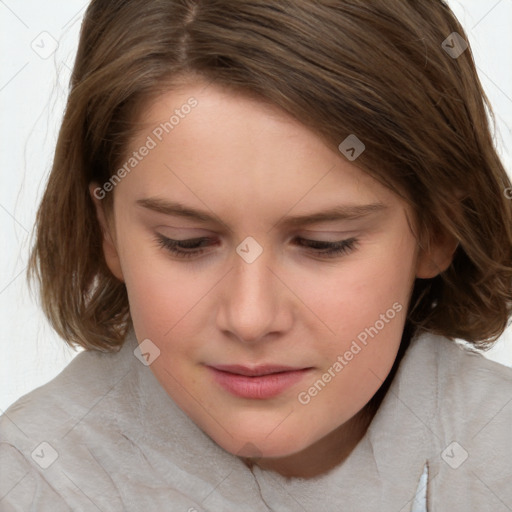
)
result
[(104, 435)]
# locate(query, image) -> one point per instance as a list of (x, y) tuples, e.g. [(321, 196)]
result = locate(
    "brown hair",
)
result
[(373, 68)]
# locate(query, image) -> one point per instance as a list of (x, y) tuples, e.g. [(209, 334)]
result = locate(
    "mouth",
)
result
[(257, 383)]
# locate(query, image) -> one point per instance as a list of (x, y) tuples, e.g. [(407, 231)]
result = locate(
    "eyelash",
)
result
[(192, 247)]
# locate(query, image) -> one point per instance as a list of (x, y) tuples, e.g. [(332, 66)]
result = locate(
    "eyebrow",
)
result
[(340, 212)]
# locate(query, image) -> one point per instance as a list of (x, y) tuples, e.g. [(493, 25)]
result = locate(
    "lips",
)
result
[(258, 383), (257, 371)]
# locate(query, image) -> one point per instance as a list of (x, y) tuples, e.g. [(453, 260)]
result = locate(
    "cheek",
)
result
[(355, 368), (159, 294), (346, 298), (365, 306), (162, 310)]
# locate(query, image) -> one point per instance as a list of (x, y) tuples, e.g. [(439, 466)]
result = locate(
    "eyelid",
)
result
[(339, 234), (333, 250), (184, 229)]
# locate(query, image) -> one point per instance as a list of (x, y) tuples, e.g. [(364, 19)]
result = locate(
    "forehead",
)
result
[(216, 147)]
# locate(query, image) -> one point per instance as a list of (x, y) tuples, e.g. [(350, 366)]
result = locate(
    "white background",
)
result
[(32, 97)]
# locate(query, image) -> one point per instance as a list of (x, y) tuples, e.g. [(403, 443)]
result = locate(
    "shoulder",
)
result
[(463, 373), (48, 434), (466, 386), (21, 483), (50, 410), (469, 425), (453, 393), (456, 379)]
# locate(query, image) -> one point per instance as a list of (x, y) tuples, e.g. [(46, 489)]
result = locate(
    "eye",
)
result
[(183, 248), (328, 249), (196, 246)]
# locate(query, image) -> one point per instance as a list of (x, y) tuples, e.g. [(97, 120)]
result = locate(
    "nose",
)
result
[(253, 303)]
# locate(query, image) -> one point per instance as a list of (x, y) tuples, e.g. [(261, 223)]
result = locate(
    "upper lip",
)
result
[(255, 371)]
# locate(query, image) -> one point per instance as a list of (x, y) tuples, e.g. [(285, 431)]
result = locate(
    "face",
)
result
[(272, 274)]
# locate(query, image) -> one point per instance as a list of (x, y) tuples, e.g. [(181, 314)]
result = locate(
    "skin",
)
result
[(250, 165)]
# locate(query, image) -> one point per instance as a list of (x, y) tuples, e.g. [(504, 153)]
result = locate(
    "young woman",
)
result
[(267, 223)]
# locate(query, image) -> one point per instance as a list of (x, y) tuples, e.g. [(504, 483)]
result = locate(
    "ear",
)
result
[(109, 246), (436, 255)]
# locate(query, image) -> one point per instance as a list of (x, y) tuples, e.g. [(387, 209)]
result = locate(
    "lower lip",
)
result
[(259, 388)]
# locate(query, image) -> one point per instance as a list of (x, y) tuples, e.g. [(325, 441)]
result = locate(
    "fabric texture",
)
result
[(104, 435)]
